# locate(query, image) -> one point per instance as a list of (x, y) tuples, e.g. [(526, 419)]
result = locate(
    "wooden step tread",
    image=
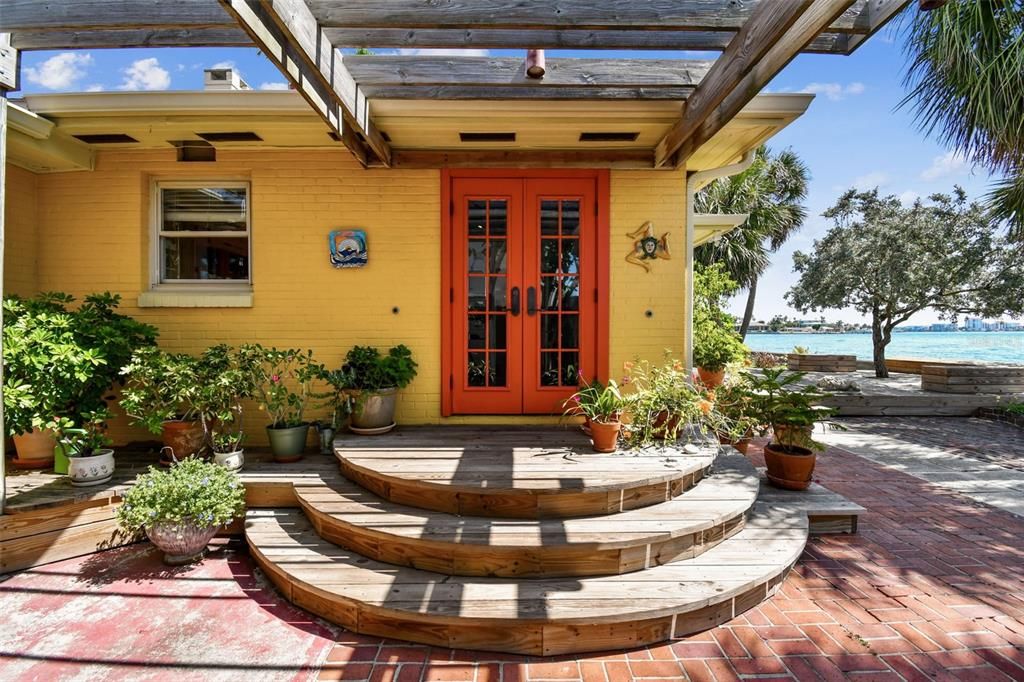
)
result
[(533, 616), (516, 473), (683, 527)]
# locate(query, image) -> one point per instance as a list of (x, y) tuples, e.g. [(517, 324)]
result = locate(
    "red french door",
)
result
[(523, 311)]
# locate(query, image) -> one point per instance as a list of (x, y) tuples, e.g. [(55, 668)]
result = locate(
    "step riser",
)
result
[(483, 560), (519, 504), (529, 637)]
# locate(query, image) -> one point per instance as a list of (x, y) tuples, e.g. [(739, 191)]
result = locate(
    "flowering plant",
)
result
[(665, 400), (192, 490), (284, 381), (599, 402)]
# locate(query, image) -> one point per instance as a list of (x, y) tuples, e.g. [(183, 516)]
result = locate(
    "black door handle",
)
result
[(531, 301), (515, 301)]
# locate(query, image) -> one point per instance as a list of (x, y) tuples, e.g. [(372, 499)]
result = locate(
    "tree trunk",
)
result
[(878, 342), (748, 313)]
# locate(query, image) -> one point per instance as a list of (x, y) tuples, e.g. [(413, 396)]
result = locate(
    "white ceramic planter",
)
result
[(232, 461), (94, 470)]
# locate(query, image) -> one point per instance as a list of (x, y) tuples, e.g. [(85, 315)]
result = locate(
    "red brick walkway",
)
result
[(932, 588)]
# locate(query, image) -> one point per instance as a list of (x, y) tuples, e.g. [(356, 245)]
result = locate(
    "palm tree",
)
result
[(771, 192), (965, 78)]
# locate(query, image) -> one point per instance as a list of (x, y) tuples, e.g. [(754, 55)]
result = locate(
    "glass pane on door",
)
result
[(559, 292), (487, 285)]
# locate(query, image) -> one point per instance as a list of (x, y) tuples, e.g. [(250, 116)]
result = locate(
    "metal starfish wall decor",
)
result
[(647, 246)]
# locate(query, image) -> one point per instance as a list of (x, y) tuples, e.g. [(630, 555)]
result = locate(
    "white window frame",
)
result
[(157, 233)]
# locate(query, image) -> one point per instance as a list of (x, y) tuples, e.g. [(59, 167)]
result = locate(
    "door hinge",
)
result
[(595, 295), (451, 208), (451, 295), (451, 381), (597, 207)]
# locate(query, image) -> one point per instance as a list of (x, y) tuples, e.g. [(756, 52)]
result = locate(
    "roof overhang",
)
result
[(708, 227)]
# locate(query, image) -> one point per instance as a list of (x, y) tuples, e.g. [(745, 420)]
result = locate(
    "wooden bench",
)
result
[(804, 362), (972, 379)]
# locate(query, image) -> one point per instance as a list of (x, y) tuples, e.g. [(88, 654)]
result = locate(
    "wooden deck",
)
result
[(509, 539), (901, 395)]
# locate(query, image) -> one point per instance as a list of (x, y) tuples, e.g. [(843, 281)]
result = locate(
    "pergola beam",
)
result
[(877, 14), (228, 36), (554, 39), (764, 30), (289, 35), (522, 158), (780, 53), (96, 15), (10, 61), (677, 15), (510, 72)]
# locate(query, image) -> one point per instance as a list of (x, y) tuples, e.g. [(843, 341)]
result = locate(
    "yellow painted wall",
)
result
[(100, 219), (21, 241)]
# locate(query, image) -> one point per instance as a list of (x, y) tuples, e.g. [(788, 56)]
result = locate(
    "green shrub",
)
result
[(715, 347), (365, 369), (191, 490), (283, 382), (60, 363)]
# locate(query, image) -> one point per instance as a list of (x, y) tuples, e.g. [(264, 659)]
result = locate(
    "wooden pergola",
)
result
[(304, 38)]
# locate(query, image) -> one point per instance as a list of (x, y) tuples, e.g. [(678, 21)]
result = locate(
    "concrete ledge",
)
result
[(195, 299)]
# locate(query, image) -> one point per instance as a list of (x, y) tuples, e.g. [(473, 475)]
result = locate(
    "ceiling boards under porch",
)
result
[(757, 39)]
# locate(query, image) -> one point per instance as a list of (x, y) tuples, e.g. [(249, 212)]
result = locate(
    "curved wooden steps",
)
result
[(531, 616), (516, 473), (686, 526)]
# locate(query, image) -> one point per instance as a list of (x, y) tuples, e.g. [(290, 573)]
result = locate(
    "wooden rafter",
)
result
[(289, 35), (217, 36), (9, 64), (403, 77), (660, 15), (555, 39), (757, 54)]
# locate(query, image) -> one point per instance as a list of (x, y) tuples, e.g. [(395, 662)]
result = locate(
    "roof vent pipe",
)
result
[(535, 64)]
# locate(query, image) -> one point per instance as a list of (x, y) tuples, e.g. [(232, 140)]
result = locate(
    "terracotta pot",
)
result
[(742, 444), (711, 379), (184, 438), (34, 449), (790, 470), (585, 426), (605, 435)]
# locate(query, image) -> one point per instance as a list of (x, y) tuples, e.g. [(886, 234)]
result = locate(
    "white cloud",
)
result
[(909, 197), (951, 163), (274, 85), (438, 52), (60, 71), (834, 91), (223, 65), (869, 181), (146, 74), (95, 87)]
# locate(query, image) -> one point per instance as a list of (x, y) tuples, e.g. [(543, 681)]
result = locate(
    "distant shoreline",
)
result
[(1001, 347)]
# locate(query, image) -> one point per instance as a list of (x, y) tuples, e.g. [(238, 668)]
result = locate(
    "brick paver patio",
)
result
[(932, 588)]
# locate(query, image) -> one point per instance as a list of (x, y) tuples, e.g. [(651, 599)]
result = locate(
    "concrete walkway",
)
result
[(981, 459)]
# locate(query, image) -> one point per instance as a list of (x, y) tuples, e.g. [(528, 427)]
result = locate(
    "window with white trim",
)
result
[(201, 233)]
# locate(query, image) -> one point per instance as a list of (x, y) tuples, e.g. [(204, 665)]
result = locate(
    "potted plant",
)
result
[(790, 411), (90, 459), (664, 402), (227, 449), (182, 507), (60, 363), (736, 403), (339, 401), (373, 380), (714, 348), (159, 395), (602, 405), (283, 382)]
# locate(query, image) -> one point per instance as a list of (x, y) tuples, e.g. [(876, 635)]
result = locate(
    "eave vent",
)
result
[(609, 137), (107, 138), (230, 137), (487, 137), (195, 150)]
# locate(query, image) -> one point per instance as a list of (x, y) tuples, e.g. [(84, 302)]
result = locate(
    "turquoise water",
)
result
[(990, 346)]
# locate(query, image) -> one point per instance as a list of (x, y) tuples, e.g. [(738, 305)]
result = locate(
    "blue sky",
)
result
[(852, 136)]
